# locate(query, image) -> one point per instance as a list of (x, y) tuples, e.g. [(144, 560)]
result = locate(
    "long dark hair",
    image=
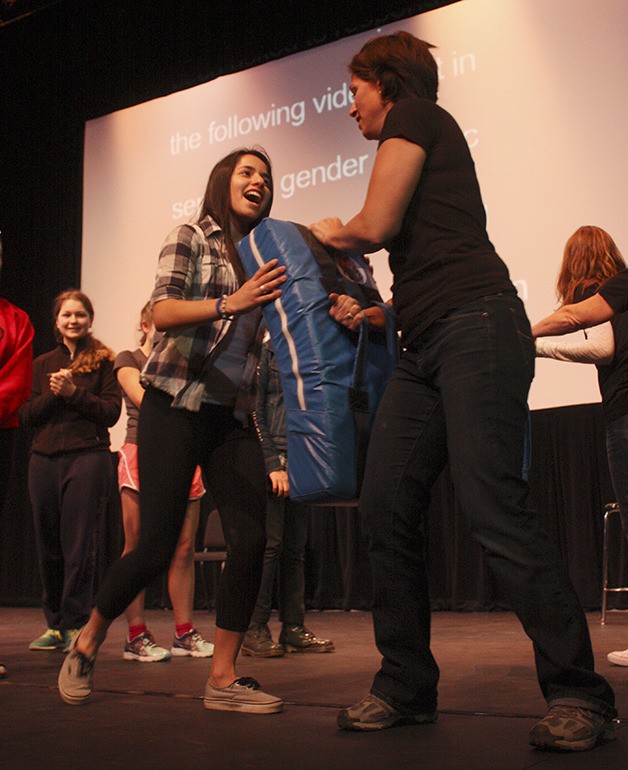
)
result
[(401, 63), (93, 352), (217, 199)]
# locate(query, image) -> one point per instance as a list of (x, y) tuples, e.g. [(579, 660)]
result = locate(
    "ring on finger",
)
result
[(263, 288)]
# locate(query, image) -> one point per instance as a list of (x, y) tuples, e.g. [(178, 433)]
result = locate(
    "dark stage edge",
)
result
[(151, 715)]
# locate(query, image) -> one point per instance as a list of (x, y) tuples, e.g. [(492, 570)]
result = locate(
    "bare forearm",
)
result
[(570, 318), (175, 313), (359, 236)]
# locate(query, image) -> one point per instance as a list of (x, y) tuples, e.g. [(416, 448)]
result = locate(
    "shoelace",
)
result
[(248, 682), (84, 665)]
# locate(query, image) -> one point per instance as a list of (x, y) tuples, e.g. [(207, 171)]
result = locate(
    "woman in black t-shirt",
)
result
[(590, 259), (459, 394)]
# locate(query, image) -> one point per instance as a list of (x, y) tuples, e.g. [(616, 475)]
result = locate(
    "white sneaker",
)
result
[(192, 644), (144, 649), (619, 657)]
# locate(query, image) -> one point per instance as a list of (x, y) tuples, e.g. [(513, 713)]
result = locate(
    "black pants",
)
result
[(68, 492), (171, 443), (286, 538)]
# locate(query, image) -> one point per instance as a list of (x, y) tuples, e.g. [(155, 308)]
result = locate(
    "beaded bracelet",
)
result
[(221, 308)]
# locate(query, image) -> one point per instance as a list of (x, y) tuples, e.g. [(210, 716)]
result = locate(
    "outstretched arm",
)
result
[(570, 318), (597, 346)]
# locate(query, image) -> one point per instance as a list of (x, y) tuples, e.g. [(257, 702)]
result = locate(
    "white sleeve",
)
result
[(597, 347)]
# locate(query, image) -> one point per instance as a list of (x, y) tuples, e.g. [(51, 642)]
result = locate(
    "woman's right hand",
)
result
[(261, 288), (61, 383)]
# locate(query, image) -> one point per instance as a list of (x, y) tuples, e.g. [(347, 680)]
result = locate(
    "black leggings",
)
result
[(171, 443)]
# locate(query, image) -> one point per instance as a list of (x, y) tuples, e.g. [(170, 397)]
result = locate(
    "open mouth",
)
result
[(255, 196)]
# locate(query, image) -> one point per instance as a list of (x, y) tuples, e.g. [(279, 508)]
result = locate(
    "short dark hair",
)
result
[(401, 63)]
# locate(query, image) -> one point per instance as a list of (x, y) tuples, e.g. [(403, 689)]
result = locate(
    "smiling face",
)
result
[(368, 108), (73, 322), (249, 192)]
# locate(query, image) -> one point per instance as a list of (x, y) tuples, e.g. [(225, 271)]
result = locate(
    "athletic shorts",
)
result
[(128, 474)]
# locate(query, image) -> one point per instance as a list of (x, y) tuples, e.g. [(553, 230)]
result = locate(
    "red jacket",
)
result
[(16, 361)]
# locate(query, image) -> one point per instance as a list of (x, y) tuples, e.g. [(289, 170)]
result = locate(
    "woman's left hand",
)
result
[(323, 229), (346, 311), (61, 383)]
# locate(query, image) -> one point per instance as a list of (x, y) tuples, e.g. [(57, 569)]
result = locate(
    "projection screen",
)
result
[(537, 87)]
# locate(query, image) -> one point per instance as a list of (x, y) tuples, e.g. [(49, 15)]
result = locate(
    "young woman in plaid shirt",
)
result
[(196, 411)]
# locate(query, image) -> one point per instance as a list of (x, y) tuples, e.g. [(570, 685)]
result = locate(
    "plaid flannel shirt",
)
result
[(193, 266)]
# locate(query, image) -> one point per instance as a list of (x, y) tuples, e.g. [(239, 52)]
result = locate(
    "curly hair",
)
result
[(94, 352), (590, 258)]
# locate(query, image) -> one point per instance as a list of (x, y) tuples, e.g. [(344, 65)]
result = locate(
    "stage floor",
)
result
[(151, 715)]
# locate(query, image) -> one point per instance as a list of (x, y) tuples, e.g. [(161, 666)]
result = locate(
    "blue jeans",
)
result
[(617, 450), (286, 537), (460, 395)]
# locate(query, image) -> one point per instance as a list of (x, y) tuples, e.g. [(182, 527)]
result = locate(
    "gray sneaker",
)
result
[(373, 713), (243, 694), (76, 676)]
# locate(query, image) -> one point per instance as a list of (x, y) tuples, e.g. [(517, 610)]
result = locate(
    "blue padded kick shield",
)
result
[(332, 378)]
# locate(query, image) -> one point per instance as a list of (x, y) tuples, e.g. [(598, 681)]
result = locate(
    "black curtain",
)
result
[(569, 486)]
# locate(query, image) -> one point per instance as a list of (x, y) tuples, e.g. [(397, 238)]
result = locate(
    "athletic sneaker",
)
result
[(619, 657), (243, 694), (373, 713), (76, 676), (568, 728), (69, 635), (144, 649), (192, 644), (51, 639)]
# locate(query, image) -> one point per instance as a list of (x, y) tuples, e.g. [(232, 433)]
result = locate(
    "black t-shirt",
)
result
[(613, 377), (442, 258), (615, 292)]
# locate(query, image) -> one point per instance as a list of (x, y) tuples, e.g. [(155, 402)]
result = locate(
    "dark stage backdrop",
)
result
[(569, 485)]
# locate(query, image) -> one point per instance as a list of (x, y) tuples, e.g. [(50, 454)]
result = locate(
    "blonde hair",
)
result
[(590, 258), (146, 317)]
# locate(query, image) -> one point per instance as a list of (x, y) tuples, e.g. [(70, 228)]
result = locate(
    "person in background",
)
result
[(16, 372), (74, 401), (590, 259), (286, 532), (140, 643), (460, 394), (612, 298), (200, 380)]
